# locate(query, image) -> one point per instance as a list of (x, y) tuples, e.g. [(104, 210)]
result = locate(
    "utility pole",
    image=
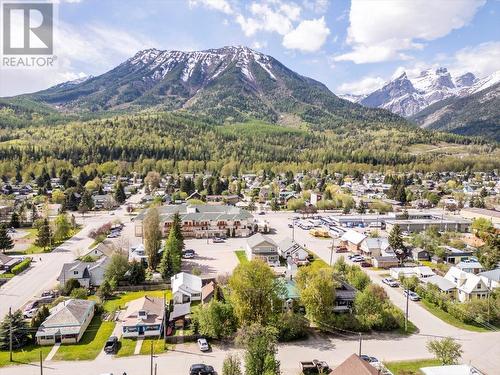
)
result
[(151, 357), (41, 363), (331, 251), (10, 334), (360, 340), (406, 313), (164, 319), (156, 367)]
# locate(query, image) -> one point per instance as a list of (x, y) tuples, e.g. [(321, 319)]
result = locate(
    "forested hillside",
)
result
[(183, 142)]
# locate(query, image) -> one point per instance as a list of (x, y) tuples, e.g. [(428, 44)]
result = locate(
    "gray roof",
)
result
[(200, 213), (66, 317), (440, 282), (493, 275), (180, 310), (345, 292), (257, 239), (289, 244)]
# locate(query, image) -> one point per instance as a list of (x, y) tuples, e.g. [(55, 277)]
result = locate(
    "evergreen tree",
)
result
[(396, 242), (44, 239), (137, 274), (120, 196), (20, 332), (6, 242), (15, 221), (152, 236), (86, 203)]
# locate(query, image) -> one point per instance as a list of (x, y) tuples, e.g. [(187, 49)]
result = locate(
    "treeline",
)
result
[(171, 143)]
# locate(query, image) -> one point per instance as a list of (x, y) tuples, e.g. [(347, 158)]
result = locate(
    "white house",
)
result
[(262, 247), (491, 278), (352, 240), (444, 285), (186, 287), (66, 323), (375, 247), (470, 266), (143, 317), (88, 274), (468, 285), (290, 248), (419, 271)]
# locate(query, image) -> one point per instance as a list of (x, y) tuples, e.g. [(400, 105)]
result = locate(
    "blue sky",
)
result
[(351, 46)]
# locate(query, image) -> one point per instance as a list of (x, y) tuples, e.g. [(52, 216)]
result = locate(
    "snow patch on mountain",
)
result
[(408, 96)]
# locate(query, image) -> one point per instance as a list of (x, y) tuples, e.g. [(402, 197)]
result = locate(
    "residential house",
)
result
[(262, 247), (352, 240), (290, 248), (469, 286), (208, 292), (455, 256), (102, 201), (419, 254), (138, 253), (354, 365), (179, 314), (144, 317), (491, 278), (315, 198), (7, 262), (374, 247), (471, 266), (66, 323), (444, 285), (344, 297), (385, 261), (186, 287), (418, 271), (88, 274), (101, 250)]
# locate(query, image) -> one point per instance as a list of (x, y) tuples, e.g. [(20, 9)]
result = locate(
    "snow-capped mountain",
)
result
[(408, 96), (233, 82)]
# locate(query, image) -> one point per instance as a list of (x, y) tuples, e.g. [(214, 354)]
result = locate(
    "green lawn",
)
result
[(28, 354), (241, 255), (34, 249), (120, 300), (410, 367), (90, 345), (31, 233), (127, 347), (412, 328), (159, 346), (450, 319)]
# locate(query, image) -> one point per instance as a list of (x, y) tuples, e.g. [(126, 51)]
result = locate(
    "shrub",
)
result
[(79, 293), (291, 327), (69, 285), (17, 269)]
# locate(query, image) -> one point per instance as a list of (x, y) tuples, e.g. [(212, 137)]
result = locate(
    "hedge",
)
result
[(17, 269)]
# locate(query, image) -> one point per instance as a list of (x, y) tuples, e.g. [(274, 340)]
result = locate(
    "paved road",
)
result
[(42, 275)]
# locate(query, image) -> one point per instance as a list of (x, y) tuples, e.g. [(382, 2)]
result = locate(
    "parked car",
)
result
[(412, 295), (218, 240), (203, 345), (262, 213), (111, 345), (290, 225), (365, 264), (31, 309), (201, 369), (390, 281), (341, 249), (358, 258), (188, 254)]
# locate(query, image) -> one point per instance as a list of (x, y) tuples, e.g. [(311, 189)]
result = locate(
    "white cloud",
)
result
[(481, 60), (309, 35), (269, 16), (317, 6), (365, 85), (219, 5), (259, 45), (382, 30)]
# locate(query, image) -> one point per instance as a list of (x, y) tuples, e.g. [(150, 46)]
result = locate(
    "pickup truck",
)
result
[(315, 367), (111, 345)]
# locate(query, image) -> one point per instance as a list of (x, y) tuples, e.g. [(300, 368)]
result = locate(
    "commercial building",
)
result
[(200, 221), (441, 223)]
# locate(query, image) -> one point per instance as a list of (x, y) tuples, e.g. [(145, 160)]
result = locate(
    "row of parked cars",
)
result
[(32, 307), (116, 231), (407, 293)]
